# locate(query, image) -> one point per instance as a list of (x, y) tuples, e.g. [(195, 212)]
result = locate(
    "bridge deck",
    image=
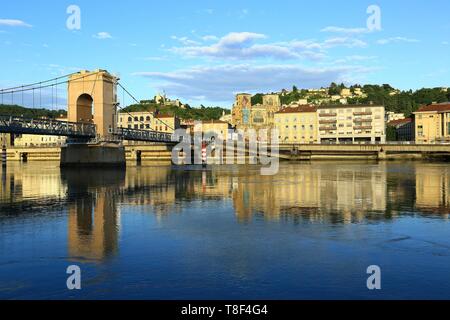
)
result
[(21, 125)]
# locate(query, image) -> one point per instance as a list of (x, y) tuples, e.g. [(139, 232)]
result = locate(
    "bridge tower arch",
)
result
[(92, 98)]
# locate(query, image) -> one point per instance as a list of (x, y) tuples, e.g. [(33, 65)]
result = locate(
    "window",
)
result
[(147, 126), (142, 126), (136, 126), (448, 128), (130, 119), (148, 118), (141, 118)]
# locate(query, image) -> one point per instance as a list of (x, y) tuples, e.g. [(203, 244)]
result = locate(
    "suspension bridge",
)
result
[(92, 109), (92, 112)]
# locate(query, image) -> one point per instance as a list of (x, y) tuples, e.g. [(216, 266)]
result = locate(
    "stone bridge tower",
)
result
[(92, 98)]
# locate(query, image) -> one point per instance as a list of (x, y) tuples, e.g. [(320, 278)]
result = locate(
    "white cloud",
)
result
[(396, 40), (219, 83), (334, 29), (102, 35), (345, 42), (185, 41), (243, 45), (210, 38), (445, 43), (14, 23)]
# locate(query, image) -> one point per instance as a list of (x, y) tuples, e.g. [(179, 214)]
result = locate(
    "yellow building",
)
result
[(432, 123), (217, 127), (297, 124), (5, 140), (352, 123), (148, 121), (29, 140)]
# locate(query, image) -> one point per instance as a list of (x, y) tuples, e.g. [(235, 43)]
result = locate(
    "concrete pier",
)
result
[(93, 155)]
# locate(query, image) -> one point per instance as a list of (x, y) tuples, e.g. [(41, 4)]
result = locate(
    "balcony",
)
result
[(323, 115), (327, 121), (366, 113), (363, 128), (361, 120), (327, 128)]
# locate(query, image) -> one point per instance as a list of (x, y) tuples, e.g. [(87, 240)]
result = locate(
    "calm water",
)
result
[(157, 232)]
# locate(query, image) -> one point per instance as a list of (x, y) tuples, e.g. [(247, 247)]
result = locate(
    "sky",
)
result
[(204, 52)]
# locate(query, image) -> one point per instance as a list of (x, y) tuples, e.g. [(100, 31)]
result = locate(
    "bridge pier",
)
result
[(93, 155)]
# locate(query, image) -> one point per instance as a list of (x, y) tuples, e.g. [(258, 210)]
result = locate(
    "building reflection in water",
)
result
[(433, 188), (335, 192), (93, 212)]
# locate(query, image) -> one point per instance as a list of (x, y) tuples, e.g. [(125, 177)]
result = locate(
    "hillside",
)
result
[(203, 113), (393, 99), (15, 110)]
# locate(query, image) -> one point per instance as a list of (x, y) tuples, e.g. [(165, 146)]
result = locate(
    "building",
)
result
[(241, 110), (392, 116), (30, 140), (228, 118), (148, 121), (272, 100), (432, 123), (404, 129), (261, 116), (136, 120), (35, 140), (6, 139), (166, 123), (351, 123), (297, 124), (217, 127)]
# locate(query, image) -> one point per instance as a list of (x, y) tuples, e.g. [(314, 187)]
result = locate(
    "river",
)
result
[(163, 232)]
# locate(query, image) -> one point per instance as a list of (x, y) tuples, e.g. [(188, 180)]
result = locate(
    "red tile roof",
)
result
[(399, 122), (437, 107), (299, 109)]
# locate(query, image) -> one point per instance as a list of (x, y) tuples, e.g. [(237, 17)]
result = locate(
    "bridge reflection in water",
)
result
[(333, 193)]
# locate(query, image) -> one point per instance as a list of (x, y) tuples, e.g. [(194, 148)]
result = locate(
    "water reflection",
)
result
[(93, 212), (303, 192)]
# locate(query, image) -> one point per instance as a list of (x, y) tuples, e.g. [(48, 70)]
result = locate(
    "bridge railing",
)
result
[(21, 125), (143, 135)]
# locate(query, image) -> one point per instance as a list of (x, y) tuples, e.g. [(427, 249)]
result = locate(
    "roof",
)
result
[(436, 107), (214, 121), (349, 106), (162, 116), (399, 122), (299, 109)]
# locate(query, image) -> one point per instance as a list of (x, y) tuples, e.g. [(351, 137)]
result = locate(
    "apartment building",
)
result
[(297, 124), (351, 123), (432, 123)]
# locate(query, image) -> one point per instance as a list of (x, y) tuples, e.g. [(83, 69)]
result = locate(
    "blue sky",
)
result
[(206, 51)]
